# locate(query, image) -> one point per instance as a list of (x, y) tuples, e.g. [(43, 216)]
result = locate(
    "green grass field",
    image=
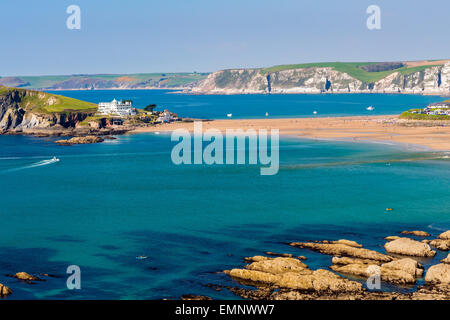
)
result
[(173, 79), (418, 116), (50, 103), (351, 68)]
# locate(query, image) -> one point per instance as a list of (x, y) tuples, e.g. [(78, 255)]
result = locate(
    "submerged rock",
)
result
[(439, 273), (417, 233), (409, 247), (339, 249), (4, 291)]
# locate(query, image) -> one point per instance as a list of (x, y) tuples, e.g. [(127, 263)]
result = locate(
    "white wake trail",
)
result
[(33, 165)]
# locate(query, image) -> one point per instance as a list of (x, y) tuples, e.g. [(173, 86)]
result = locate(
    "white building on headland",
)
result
[(120, 108), (165, 116)]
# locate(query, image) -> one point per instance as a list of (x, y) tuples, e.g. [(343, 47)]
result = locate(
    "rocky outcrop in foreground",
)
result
[(409, 247), (286, 278)]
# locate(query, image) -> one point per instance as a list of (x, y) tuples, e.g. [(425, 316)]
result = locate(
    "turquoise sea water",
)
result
[(256, 106), (104, 204)]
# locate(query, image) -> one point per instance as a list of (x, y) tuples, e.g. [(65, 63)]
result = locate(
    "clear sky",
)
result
[(137, 36)]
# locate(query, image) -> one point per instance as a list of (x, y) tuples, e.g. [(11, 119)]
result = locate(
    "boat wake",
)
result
[(34, 165), (443, 228)]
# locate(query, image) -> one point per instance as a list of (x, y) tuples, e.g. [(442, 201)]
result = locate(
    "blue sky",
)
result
[(132, 36)]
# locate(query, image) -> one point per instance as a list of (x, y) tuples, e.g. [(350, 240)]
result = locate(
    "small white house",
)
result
[(439, 105), (120, 108), (166, 116)]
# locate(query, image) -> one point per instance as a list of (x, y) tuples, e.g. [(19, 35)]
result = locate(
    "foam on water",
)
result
[(33, 165)]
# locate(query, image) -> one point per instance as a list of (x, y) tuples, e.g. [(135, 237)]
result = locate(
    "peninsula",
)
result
[(43, 114)]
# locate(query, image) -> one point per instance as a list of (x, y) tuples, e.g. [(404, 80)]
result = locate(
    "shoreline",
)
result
[(433, 136)]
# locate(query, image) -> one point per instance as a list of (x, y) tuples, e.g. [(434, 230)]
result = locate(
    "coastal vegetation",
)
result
[(105, 81), (354, 69), (42, 102), (439, 111), (419, 116)]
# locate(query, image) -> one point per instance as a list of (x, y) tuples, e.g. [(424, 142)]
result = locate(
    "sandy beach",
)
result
[(433, 135)]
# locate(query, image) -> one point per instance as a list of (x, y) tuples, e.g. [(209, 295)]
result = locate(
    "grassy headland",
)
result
[(42, 102), (353, 69)]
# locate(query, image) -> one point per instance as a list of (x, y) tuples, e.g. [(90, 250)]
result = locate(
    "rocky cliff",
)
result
[(417, 79), (29, 111)]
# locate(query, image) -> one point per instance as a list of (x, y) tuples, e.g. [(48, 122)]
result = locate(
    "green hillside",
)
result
[(351, 68), (49, 103), (106, 81)]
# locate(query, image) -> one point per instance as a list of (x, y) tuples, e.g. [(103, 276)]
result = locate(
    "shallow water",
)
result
[(104, 204)]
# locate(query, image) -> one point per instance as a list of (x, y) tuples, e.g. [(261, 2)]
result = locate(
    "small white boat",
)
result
[(267, 114), (229, 115), (55, 159), (315, 112), (370, 108)]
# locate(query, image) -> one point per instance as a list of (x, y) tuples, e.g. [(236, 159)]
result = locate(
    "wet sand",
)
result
[(434, 135)]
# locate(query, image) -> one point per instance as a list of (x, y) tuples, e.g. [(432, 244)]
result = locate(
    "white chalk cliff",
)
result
[(432, 80)]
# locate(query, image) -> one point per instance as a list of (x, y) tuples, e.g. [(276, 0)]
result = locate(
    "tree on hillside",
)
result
[(150, 107)]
